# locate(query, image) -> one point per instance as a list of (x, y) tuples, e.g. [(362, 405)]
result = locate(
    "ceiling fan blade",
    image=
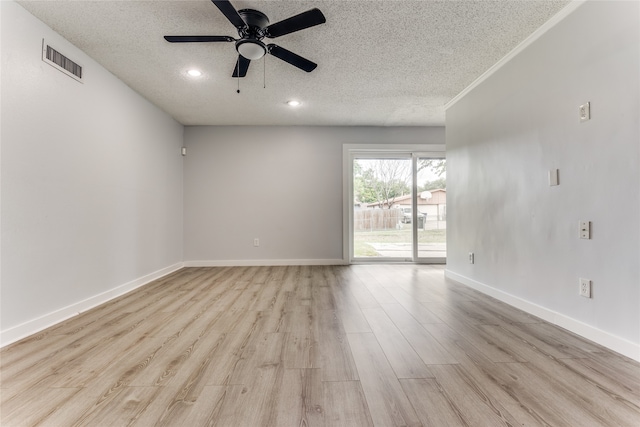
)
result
[(290, 57), (242, 65), (304, 20), (191, 39), (230, 12)]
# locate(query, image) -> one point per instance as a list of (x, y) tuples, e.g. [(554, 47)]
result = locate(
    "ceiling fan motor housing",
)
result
[(255, 20)]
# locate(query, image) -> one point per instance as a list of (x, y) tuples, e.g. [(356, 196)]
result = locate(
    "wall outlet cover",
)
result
[(585, 112), (585, 229), (585, 288)]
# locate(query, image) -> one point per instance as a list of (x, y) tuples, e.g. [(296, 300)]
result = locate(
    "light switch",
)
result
[(553, 177), (585, 229)]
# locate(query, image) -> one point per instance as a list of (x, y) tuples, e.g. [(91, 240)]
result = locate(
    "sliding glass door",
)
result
[(398, 207), (382, 204)]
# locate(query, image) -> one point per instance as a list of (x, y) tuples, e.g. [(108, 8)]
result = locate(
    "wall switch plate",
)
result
[(585, 229), (585, 288), (256, 242), (471, 258), (553, 177), (585, 112)]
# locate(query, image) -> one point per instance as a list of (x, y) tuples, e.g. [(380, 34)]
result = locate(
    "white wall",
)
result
[(504, 136), (282, 185), (91, 183)]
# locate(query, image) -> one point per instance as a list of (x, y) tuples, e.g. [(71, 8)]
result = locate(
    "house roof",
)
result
[(407, 197)]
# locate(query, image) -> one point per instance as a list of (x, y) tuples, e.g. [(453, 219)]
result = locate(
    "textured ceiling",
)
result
[(385, 63)]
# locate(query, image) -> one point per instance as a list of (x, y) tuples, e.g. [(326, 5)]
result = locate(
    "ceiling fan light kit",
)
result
[(253, 26), (251, 49)]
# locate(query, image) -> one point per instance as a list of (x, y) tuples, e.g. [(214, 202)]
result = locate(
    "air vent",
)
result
[(57, 60)]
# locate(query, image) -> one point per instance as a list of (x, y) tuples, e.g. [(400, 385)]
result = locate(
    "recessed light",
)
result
[(294, 103), (194, 73)]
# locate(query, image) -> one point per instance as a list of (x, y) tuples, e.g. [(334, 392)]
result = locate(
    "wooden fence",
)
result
[(376, 219)]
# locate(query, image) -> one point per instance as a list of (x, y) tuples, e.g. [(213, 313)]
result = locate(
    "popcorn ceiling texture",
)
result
[(384, 63)]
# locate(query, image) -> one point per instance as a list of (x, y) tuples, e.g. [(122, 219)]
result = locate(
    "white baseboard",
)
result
[(612, 342), (263, 262), (33, 326)]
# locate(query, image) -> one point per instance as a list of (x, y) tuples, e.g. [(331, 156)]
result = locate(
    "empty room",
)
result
[(320, 213)]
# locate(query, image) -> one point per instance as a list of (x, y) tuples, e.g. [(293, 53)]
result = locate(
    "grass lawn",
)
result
[(361, 239), (400, 236), (362, 249)]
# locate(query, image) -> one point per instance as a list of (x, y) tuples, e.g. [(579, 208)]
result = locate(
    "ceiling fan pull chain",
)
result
[(264, 73), (238, 73)]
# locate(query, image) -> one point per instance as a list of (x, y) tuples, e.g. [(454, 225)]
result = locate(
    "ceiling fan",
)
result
[(253, 26)]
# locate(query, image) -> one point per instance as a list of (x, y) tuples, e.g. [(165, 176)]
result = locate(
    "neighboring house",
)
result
[(432, 202)]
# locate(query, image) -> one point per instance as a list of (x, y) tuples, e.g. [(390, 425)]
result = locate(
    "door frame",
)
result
[(349, 151)]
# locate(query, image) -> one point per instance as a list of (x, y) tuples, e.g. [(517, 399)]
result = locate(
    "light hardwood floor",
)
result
[(383, 345)]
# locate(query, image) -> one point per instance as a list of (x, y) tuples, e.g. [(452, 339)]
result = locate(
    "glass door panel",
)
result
[(431, 196), (382, 212)]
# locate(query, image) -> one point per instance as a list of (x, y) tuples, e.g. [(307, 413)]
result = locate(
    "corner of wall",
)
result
[(610, 341), (33, 326)]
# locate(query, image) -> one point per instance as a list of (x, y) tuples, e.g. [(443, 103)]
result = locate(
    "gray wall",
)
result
[(504, 136), (282, 185), (91, 183)]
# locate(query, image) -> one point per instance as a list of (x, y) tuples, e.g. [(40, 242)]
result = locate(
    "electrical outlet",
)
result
[(585, 112), (585, 229), (585, 288), (256, 242), (471, 258)]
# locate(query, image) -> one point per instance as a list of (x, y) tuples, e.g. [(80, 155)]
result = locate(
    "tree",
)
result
[(363, 184), (437, 166), (393, 180), (440, 183), (381, 180)]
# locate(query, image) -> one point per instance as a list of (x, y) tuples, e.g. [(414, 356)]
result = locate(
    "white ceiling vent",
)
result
[(57, 60)]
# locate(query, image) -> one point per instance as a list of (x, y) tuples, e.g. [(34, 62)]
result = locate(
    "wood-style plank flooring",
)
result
[(362, 345)]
